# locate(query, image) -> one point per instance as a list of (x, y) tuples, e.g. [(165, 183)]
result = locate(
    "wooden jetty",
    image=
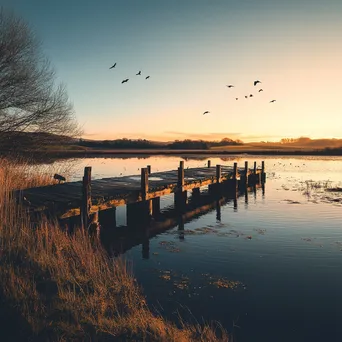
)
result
[(90, 199)]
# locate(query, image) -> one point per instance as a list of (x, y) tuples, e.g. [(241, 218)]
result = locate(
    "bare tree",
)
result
[(30, 100)]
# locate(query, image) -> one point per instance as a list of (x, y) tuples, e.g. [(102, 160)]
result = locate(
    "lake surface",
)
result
[(268, 268)]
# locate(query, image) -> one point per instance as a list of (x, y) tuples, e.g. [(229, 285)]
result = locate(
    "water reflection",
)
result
[(139, 229)]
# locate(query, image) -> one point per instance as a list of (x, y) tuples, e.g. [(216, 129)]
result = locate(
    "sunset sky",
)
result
[(192, 50)]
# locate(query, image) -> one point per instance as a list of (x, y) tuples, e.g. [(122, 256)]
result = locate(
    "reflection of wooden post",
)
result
[(246, 173), (218, 211), (218, 173), (146, 244), (86, 198), (144, 184), (209, 163), (149, 169), (181, 228)]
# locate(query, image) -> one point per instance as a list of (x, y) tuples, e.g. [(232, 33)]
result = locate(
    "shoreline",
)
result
[(120, 152)]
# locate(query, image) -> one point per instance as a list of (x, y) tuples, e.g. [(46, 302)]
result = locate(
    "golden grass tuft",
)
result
[(67, 288)]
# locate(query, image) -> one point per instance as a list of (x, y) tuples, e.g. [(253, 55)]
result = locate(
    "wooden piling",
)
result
[(180, 181), (107, 218), (156, 206), (209, 163), (181, 164), (245, 179), (263, 174), (235, 171), (255, 168), (86, 198), (144, 184), (149, 169), (218, 173)]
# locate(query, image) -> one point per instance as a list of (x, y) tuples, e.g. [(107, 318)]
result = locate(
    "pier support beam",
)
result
[(181, 200), (138, 213), (209, 163), (196, 195), (156, 206), (107, 218), (231, 185)]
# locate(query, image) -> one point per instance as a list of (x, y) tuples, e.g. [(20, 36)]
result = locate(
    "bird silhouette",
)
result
[(113, 66), (260, 90), (236, 98), (206, 112), (250, 95), (59, 177), (124, 81), (230, 86), (246, 97), (256, 82), (139, 73), (147, 77), (273, 101)]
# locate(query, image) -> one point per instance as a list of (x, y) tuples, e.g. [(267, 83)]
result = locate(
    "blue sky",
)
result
[(192, 50)]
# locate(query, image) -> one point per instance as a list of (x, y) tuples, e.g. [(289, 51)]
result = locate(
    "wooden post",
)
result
[(149, 169), (235, 171), (263, 174), (86, 198), (181, 164), (218, 173), (209, 163), (246, 173), (180, 182), (255, 168), (144, 184)]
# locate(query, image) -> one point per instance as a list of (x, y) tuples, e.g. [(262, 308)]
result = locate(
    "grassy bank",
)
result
[(56, 287)]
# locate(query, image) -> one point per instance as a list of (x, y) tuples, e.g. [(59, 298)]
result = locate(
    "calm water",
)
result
[(268, 270)]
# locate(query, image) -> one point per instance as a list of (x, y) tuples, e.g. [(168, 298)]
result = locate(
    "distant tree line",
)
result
[(146, 144)]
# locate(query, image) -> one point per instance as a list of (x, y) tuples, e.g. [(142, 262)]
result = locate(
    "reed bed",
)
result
[(64, 287)]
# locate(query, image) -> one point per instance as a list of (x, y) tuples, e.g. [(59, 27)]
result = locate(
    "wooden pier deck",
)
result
[(68, 199)]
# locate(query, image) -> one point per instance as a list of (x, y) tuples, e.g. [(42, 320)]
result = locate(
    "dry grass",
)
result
[(67, 288)]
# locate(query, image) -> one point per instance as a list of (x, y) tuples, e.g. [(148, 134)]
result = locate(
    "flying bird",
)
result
[(206, 112), (113, 66), (147, 77), (124, 81), (256, 82), (246, 97), (139, 73), (260, 90), (236, 98), (230, 86), (250, 95), (273, 101)]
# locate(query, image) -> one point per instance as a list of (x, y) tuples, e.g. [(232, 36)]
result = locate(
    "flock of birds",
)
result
[(246, 96), (127, 79), (206, 112)]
